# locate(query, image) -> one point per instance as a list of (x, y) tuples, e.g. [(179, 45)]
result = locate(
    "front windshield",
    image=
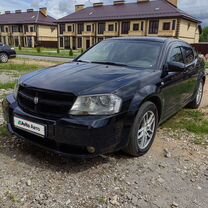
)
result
[(133, 53)]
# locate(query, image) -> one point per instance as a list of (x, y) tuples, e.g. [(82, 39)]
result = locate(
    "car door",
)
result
[(174, 85), (190, 73)]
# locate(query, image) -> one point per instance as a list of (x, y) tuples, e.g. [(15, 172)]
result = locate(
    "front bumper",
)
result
[(72, 135)]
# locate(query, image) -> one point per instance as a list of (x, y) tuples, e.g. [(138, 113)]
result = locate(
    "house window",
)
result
[(69, 28), (142, 26), (153, 26), (61, 42), (15, 28), (111, 27), (80, 28), (26, 28), (166, 26), (189, 25), (88, 28), (101, 28), (79, 41), (31, 29), (7, 29), (62, 28), (174, 25), (135, 27), (2, 28), (125, 27)]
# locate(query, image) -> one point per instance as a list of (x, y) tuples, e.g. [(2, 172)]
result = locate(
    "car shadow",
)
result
[(32, 155)]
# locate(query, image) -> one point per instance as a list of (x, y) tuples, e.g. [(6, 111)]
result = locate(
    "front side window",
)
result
[(189, 54), (176, 55), (133, 53)]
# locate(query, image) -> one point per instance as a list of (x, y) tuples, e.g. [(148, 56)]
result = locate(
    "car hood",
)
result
[(82, 78)]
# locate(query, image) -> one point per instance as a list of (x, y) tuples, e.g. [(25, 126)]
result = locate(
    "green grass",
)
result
[(8, 85), (191, 120), (18, 67), (48, 52), (3, 131)]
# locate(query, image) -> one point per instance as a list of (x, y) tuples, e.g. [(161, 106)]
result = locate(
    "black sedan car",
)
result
[(112, 97), (6, 53)]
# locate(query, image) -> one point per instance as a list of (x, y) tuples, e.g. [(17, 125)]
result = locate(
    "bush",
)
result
[(38, 50), (58, 50), (20, 47), (82, 50), (71, 52)]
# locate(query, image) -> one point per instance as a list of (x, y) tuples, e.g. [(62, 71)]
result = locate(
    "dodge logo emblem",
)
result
[(36, 100)]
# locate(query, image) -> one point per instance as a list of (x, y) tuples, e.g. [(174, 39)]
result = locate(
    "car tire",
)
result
[(143, 130), (197, 100), (3, 58)]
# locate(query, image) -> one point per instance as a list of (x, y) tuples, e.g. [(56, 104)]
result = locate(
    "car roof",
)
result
[(153, 39)]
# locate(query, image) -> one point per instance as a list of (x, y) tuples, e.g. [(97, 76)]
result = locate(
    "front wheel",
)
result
[(4, 58), (143, 130), (197, 100)]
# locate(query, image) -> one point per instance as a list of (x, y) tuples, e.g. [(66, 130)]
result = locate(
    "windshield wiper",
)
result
[(108, 63)]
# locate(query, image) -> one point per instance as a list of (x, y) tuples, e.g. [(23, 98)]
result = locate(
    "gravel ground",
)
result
[(173, 174)]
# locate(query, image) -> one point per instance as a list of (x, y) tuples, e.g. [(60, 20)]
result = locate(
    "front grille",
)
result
[(49, 103)]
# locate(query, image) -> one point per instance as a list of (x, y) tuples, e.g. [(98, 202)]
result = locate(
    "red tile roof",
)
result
[(26, 18), (141, 10)]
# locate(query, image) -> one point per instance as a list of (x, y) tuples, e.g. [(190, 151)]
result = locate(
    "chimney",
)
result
[(98, 4), (7, 12), (30, 10), (79, 7), (18, 11), (173, 2), (44, 11), (119, 2)]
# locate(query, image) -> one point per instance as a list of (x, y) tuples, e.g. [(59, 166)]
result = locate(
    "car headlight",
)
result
[(16, 88), (107, 104)]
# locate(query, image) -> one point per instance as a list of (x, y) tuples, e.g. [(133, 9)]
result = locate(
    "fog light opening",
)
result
[(91, 150)]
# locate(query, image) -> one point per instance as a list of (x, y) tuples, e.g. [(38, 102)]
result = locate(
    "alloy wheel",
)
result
[(146, 130)]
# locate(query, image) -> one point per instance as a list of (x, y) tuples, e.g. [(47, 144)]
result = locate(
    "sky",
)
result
[(60, 8)]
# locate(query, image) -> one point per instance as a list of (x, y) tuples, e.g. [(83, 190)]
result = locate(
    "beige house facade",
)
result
[(28, 29), (159, 18)]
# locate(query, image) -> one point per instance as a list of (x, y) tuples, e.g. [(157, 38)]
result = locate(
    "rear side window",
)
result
[(176, 55), (189, 55)]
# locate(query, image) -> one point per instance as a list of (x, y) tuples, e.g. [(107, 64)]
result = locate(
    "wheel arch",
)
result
[(158, 103)]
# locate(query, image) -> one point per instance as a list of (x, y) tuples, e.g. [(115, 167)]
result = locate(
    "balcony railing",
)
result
[(111, 33), (69, 34), (167, 33), (31, 33), (86, 33)]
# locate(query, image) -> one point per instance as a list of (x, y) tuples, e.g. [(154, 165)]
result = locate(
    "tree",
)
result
[(204, 35)]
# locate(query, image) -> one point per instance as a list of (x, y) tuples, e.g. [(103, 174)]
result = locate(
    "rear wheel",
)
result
[(4, 58), (143, 130), (197, 100)]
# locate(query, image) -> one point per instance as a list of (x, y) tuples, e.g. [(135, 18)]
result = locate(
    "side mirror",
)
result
[(175, 67)]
